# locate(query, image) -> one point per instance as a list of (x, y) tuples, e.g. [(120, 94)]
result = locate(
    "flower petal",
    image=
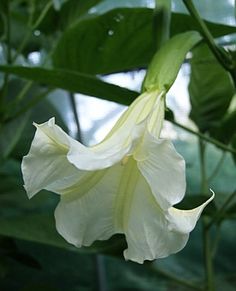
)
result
[(86, 210), (185, 220), (46, 165), (118, 143), (120, 140), (163, 168), (147, 233)]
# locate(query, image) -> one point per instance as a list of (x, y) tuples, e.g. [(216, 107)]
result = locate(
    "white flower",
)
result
[(126, 184)]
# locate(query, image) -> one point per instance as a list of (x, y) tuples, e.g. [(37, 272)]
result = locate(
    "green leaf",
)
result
[(210, 89), (40, 228), (10, 135), (121, 39), (166, 63), (107, 43), (32, 227), (33, 220), (74, 82), (182, 22), (225, 130)]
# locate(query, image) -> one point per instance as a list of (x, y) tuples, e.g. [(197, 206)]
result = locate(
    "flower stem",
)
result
[(206, 138)]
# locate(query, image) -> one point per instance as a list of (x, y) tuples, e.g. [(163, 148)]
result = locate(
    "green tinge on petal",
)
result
[(156, 118), (128, 184), (121, 140)]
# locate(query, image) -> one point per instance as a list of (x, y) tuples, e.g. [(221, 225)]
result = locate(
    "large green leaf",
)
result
[(74, 82), (40, 228), (210, 88), (121, 39)]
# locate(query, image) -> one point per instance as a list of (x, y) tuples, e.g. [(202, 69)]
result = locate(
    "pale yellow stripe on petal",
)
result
[(80, 189), (125, 194)]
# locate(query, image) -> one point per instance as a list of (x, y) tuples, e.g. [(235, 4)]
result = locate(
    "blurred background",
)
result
[(83, 62)]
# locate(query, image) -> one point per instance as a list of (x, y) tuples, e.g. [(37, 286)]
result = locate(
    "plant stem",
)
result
[(161, 22), (217, 168), (221, 211), (206, 138), (223, 57), (206, 236), (31, 29), (101, 273), (207, 35), (8, 107), (76, 116), (28, 106), (8, 51), (24, 91), (8, 32), (216, 240), (202, 148), (208, 258), (175, 279)]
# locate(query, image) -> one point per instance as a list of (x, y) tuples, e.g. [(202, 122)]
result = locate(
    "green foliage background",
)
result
[(79, 41)]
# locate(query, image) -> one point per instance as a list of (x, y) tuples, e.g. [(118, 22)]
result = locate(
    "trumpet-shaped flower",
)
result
[(127, 184)]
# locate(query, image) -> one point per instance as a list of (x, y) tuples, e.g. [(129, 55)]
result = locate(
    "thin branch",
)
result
[(31, 29), (76, 116), (101, 273), (221, 211), (205, 234), (216, 240), (223, 57), (202, 151), (8, 51), (208, 258), (206, 138), (220, 55), (29, 105), (217, 168), (175, 279)]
